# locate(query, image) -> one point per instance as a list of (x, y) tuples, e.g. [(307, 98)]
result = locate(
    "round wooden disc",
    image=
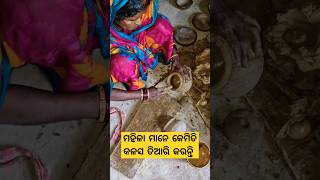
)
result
[(183, 4), (185, 36), (201, 21)]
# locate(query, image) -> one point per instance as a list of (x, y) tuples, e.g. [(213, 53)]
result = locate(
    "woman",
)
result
[(58, 36), (140, 36)]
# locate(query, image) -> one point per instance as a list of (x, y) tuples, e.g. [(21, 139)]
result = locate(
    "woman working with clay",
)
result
[(140, 37), (59, 37)]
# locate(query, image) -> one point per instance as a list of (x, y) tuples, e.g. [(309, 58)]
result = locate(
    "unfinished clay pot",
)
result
[(183, 4), (163, 121), (237, 126), (230, 80), (201, 21), (185, 36), (175, 80), (178, 126), (299, 37), (299, 130), (171, 124), (204, 156)]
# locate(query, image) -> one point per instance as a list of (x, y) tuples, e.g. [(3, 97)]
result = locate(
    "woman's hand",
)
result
[(178, 67), (241, 31), (155, 93)]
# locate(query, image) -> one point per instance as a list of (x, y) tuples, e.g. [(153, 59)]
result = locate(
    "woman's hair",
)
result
[(131, 8)]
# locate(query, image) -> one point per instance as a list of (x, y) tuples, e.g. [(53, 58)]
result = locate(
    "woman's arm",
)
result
[(121, 95), (241, 31), (27, 106), (178, 66)]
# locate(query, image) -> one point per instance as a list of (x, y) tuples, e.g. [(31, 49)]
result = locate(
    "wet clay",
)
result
[(175, 82)]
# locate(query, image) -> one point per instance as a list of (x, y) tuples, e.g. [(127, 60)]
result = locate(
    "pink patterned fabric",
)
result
[(47, 33), (129, 69)]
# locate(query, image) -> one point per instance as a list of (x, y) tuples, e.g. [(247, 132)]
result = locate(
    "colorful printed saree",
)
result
[(133, 53), (57, 35)]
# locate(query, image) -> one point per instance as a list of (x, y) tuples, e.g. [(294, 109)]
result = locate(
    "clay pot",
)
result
[(237, 126), (297, 37), (175, 125), (175, 80), (299, 130), (230, 80), (183, 4), (204, 157), (185, 36), (201, 21), (163, 121)]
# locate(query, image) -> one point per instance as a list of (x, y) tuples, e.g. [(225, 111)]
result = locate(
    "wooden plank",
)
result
[(145, 120), (95, 165)]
